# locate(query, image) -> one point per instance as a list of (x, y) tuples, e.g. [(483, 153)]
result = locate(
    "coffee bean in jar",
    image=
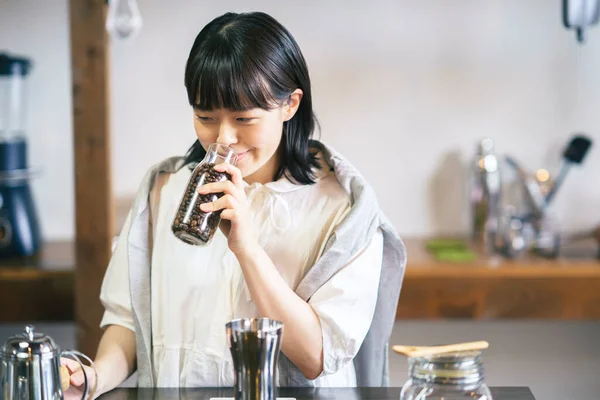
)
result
[(191, 224)]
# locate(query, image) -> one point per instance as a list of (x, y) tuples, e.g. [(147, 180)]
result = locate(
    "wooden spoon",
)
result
[(419, 351)]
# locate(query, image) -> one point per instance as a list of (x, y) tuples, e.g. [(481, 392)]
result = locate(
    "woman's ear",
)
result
[(290, 108)]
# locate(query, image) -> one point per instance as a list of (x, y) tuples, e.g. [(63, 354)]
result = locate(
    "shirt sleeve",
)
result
[(346, 304), (114, 293)]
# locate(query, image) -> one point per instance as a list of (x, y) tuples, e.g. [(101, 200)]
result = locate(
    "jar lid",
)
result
[(28, 344), (10, 65)]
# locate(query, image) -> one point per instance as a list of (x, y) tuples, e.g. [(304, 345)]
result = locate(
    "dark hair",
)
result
[(249, 60)]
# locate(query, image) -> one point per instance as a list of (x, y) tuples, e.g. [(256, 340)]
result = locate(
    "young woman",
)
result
[(302, 239)]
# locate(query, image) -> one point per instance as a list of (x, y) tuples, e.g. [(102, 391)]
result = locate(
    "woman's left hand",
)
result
[(235, 223)]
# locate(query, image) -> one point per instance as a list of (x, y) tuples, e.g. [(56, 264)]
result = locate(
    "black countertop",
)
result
[(393, 393)]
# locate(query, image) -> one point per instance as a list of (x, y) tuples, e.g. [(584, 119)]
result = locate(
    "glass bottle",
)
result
[(191, 224), (453, 376)]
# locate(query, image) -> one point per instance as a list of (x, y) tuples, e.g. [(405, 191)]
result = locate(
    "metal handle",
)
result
[(74, 354)]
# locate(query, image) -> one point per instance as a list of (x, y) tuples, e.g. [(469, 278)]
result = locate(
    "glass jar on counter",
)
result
[(191, 224), (452, 376)]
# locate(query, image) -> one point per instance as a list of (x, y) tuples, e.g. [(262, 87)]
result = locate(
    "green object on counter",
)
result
[(455, 255), (450, 250), (445, 244)]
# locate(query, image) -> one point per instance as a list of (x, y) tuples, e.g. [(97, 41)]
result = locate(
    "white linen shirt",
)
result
[(196, 290)]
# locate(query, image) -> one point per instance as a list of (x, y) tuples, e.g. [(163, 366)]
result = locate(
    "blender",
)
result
[(19, 226)]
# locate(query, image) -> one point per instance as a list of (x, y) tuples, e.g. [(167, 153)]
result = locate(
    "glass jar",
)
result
[(450, 376), (13, 84), (191, 224)]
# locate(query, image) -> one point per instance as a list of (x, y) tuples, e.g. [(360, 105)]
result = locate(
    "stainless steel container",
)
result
[(30, 367), (255, 345), (485, 191)]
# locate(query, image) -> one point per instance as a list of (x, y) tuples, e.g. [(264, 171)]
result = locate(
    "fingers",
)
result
[(65, 378), (77, 379), (226, 187), (71, 370), (236, 175), (230, 215), (72, 365), (233, 202), (225, 202)]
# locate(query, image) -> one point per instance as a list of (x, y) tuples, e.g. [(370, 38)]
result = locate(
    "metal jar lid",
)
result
[(28, 345)]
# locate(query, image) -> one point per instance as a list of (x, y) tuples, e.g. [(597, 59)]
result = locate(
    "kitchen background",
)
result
[(403, 89)]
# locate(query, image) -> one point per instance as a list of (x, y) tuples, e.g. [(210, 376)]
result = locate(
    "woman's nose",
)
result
[(227, 135)]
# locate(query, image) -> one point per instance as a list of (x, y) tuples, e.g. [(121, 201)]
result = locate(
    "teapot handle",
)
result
[(75, 355)]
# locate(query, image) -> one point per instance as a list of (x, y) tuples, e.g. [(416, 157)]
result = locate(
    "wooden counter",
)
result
[(494, 287), (41, 288)]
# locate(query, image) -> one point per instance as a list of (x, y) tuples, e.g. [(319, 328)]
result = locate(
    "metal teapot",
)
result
[(30, 367)]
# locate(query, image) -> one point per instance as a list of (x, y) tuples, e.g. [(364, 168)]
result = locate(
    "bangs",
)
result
[(217, 79), (241, 61)]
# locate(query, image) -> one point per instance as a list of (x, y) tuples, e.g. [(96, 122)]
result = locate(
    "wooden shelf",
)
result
[(42, 288), (38, 288), (492, 288), (422, 264)]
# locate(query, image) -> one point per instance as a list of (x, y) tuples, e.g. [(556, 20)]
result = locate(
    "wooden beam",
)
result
[(91, 138)]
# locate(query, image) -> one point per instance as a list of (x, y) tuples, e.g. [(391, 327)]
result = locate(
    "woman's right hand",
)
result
[(71, 373)]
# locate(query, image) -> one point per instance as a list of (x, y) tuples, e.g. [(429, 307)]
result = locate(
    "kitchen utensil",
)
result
[(579, 15), (65, 378), (485, 189), (547, 240), (574, 153), (30, 367), (421, 351), (255, 345), (532, 189), (514, 234), (19, 227)]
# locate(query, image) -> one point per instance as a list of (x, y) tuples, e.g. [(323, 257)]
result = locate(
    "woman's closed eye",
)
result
[(245, 119), (204, 119)]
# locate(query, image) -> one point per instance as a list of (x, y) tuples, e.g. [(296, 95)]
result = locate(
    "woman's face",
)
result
[(254, 134)]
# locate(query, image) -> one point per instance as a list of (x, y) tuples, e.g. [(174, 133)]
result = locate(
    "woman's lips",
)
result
[(241, 156)]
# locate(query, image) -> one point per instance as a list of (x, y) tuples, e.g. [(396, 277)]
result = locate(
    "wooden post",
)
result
[(93, 192)]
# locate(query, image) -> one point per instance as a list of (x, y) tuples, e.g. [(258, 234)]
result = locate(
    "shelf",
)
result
[(422, 265), (41, 288), (38, 288), (493, 288)]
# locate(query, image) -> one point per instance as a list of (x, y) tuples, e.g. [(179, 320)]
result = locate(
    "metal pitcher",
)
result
[(255, 345), (30, 367)]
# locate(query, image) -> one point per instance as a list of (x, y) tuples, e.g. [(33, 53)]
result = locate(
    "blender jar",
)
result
[(19, 227), (13, 71)]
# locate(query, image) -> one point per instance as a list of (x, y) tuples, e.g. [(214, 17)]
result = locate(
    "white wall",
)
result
[(404, 89), (39, 30)]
